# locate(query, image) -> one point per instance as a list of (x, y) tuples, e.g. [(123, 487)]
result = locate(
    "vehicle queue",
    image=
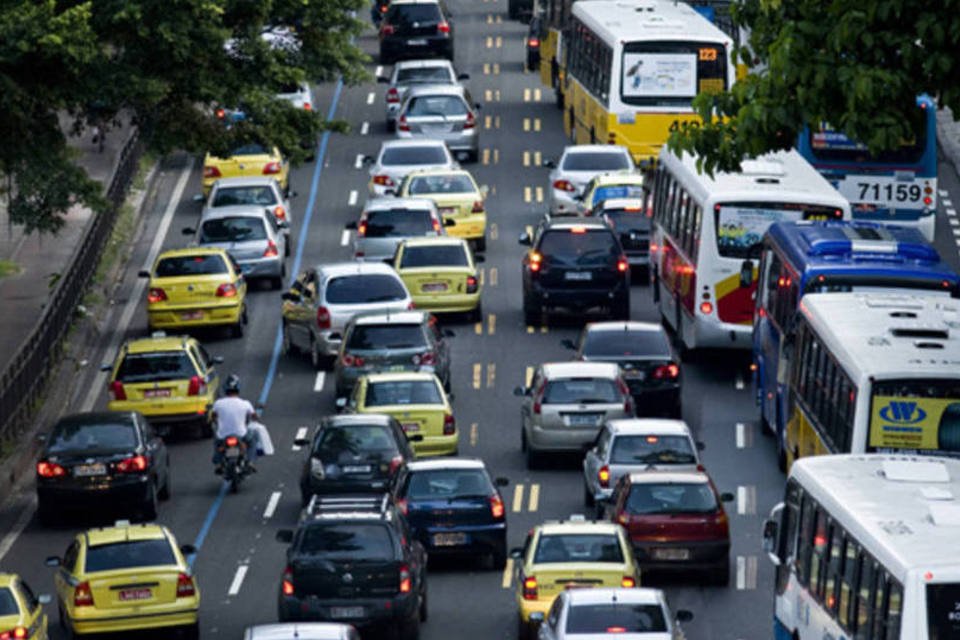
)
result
[(374, 474)]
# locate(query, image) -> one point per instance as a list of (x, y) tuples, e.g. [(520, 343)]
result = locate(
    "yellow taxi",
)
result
[(195, 288), (457, 197), (418, 402), (21, 612), (249, 160), (616, 184), (441, 275), (568, 554), (126, 578), (169, 379)]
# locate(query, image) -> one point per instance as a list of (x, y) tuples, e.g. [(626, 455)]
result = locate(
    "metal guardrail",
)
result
[(22, 383)]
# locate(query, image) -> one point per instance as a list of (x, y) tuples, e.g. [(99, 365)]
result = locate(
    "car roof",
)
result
[(235, 211), (387, 203), (615, 325), (399, 376), (637, 595), (571, 223), (593, 148), (424, 63), (192, 251), (669, 477), (445, 463), (648, 426), (347, 419), (124, 532), (297, 630), (412, 142), (355, 268), (436, 89), (387, 317), (157, 343), (579, 369), (578, 526), (244, 181), (434, 240)]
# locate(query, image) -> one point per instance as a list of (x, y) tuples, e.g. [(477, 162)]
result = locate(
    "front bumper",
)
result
[(187, 316), (375, 610)]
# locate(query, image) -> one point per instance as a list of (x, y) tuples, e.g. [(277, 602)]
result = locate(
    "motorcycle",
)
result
[(235, 467)]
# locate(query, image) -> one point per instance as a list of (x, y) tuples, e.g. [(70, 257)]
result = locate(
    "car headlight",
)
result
[(316, 468)]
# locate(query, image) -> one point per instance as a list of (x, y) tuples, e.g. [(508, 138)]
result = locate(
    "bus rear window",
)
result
[(671, 73), (943, 611), (829, 145), (921, 416), (741, 225)]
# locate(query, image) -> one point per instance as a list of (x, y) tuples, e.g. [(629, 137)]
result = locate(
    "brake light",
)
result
[(395, 463), (426, 358), (533, 42), (271, 168), (211, 172), (16, 632), (387, 30), (133, 464), (227, 290), (706, 308), (449, 425), (627, 398), (287, 585), (405, 583), (666, 372), (616, 629), (628, 582), (472, 284), (536, 261), (393, 96), (384, 181), (622, 265), (197, 386), (156, 294), (221, 114), (232, 441), (496, 507), (323, 318), (82, 596), (403, 506), (350, 360), (471, 121), (443, 27), (279, 212), (603, 476), (307, 106), (477, 207), (402, 124), (530, 588), (537, 400), (50, 470), (271, 250), (436, 225), (117, 390), (564, 185), (578, 230)]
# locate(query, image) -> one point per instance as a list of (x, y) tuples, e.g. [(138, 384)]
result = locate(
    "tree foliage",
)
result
[(857, 65), (165, 65)]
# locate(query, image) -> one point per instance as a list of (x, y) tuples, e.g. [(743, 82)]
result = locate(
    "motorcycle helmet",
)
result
[(232, 384)]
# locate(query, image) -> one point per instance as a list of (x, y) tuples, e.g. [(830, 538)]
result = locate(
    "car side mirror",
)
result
[(390, 192), (292, 194), (726, 496), (525, 239), (368, 160), (684, 616), (568, 343), (520, 391), (302, 442), (44, 598), (216, 359), (746, 274), (383, 80), (285, 536), (477, 106), (549, 164), (198, 197), (341, 403), (501, 481), (449, 222), (351, 226), (188, 231), (53, 561), (463, 76), (188, 549), (290, 296), (283, 224), (106, 367), (700, 446), (448, 333), (578, 197), (516, 553), (451, 396), (143, 273)]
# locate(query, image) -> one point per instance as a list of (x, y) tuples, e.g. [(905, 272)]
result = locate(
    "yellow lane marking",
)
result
[(529, 229), (507, 574), (489, 42), (527, 194), (491, 375), (486, 156), (536, 95), (493, 276), (526, 158), (526, 95), (536, 124), (526, 124), (496, 65), (499, 42), (481, 276), (486, 68), (488, 95), (493, 189), (473, 434), (534, 497), (496, 120), (487, 122), (491, 158), (537, 159), (543, 329), (529, 373), (489, 18), (496, 156), (491, 324), (494, 232), (539, 194), (499, 19), (518, 498), (478, 328), (477, 371), (529, 328)]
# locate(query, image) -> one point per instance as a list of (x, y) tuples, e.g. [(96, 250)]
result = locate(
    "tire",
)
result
[(46, 515), (720, 576), (317, 359), (206, 429), (498, 558), (276, 283), (410, 629), (235, 484), (473, 156), (587, 496), (523, 630), (164, 493), (148, 511), (191, 631), (286, 245), (531, 315), (65, 625), (523, 440), (477, 314), (384, 58), (237, 330)]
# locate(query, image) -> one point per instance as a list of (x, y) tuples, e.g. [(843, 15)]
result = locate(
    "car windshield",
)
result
[(610, 344), (445, 255), (355, 541), (649, 498), (399, 223), (582, 391), (448, 484), (594, 547), (383, 394), (365, 288), (568, 247), (450, 183), (616, 617), (252, 149), (241, 229), (651, 449), (436, 106), (129, 554), (8, 604), (197, 265), (375, 337), (356, 438), (427, 154), (424, 75), (596, 161), (106, 436), (230, 196), (150, 367)]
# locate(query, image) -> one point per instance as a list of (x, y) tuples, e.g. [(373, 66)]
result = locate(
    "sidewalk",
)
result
[(41, 259)]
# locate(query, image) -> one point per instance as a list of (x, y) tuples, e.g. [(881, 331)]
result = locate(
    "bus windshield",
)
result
[(671, 73), (919, 415), (741, 225)]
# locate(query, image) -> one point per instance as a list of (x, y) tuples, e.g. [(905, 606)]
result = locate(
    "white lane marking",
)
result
[(352, 198), (370, 97), (954, 222), (746, 500), (947, 202), (746, 572), (951, 212), (738, 383), (741, 572), (741, 435), (301, 433), (943, 193), (358, 162), (956, 232), (345, 238), (271, 505), (238, 580), (365, 128), (379, 70), (318, 383), (136, 299), (25, 516)]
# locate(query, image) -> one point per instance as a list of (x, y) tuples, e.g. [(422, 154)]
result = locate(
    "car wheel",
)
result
[(191, 631), (531, 316), (523, 439), (319, 361), (148, 511), (164, 493), (477, 314), (410, 629), (206, 428), (498, 558), (286, 245), (276, 283), (523, 630), (46, 515), (587, 496)]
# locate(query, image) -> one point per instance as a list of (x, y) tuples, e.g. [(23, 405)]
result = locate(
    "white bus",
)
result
[(866, 548), (707, 234)]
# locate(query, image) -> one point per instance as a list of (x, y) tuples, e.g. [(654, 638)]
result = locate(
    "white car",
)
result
[(577, 166), (588, 614), (302, 631), (412, 73), (397, 158), (299, 95)]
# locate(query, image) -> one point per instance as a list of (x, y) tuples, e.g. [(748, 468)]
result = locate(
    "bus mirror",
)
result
[(746, 274), (771, 535)]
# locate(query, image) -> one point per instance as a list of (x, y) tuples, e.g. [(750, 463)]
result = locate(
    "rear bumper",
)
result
[(375, 610), (262, 268), (656, 402), (114, 620), (579, 299), (703, 555), (437, 445), (173, 317), (165, 413), (561, 439), (482, 539), (110, 492), (447, 303)]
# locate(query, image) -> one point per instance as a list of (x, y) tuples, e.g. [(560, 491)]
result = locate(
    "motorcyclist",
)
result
[(231, 416)]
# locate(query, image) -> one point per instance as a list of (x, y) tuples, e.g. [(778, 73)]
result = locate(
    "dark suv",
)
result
[(353, 559), (577, 265), (416, 29)]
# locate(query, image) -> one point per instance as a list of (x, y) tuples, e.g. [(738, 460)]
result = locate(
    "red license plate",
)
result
[(127, 595)]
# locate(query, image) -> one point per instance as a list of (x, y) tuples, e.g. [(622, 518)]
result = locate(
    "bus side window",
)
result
[(818, 561), (805, 551), (865, 611), (837, 540), (848, 576)]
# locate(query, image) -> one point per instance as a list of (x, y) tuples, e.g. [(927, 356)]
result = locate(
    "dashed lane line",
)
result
[(474, 435), (300, 435), (507, 579), (238, 580), (379, 71), (528, 377), (534, 500), (744, 438), (491, 375), (371, 97), (491, 324), (738, 383), (271, 505), (344, 237), (352, 198), (746, 500), (358, 163), (746, 573), (477, 374), (517, 498), (319, 382), (365, 128)]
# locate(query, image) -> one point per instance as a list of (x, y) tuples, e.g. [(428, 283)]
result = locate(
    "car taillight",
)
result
[(47, 469), (133, 464), (530, 588), (307, 106), (426, 358), (537, 401), (622, 265), (211, 172), (436, 225), (271, 250), (405, 583), (403, 506), (666, 372), (443, 27), (477, 206), (627, 398), (402, 124), (533, 42), (623, 518), (156, 294), (535, 260), (471, 121), (496, 507), (472, 284), (362, 228), (350, 360), (185, 586), (221, 114), (323, 318), (82, 595), (395, 463), (616, 629), (564, 185), (393, 96), (15, 633), (386, 29), (449, 425), (287, 584), (271, 168), (603, 476), (197, 386), (279, 212), (117, 390), (227, 290), (628, 581), (411, 305), (232, 441), (384, 181)]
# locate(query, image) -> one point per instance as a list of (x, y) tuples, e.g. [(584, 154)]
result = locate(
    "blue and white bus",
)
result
[(899, 186), (825, 257)]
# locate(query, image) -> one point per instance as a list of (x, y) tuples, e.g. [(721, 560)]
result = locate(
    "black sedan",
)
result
[(96, 459)]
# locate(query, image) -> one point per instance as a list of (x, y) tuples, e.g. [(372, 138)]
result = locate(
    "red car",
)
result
[(675, 521)]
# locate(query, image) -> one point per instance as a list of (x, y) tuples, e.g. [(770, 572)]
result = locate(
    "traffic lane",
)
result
[(947, 238)]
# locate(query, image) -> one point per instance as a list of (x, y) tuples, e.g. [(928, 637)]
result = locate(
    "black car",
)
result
[(574, 264), (454, 507), (102, 459), (534, 37), (353, 559), (415, 29), (353, 453), (630, 220), (649, 364)]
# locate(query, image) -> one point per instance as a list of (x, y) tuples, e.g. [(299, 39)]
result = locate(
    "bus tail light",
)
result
[(706, 308)]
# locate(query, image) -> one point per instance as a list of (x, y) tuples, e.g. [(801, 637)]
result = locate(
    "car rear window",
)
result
[(365, 288), (240, 229), (230, 196), (596, 161), (106, 436), (651, 449), (252, 149), (441, 184), (438, 106), (354, 439), (382, 394), (616, 617), (448, 483), (8, 604), (671, 498), (197, 265), (394, 223), (147, 367), (626, 343), (580, 547), (434, 256), (405, 15), (367, 337), (424, 75), (582, 391), (356, 541), (567, 247), (432, 154), (129, 554)]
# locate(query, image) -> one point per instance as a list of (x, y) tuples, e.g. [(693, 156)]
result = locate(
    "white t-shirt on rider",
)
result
[(232, 413)]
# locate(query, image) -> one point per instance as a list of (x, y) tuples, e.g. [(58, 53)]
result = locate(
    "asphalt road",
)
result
[(239, 563)]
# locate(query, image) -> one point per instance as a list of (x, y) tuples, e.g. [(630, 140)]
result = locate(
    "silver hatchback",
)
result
[(576, 167), (445, 113), (567, 403), (413, 73), (261, 191), (385, 222), (251, 235)]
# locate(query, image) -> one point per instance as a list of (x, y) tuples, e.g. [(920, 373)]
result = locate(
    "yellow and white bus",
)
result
[(873, 372), (632, 69), (555, 21)]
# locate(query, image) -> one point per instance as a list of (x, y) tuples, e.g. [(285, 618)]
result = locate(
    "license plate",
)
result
[(410, 427), (347, 612), (578, 275), (357, 468), (126, 595), (582, 420), (447, 211), (434, 287), (156, 393), (635, 375), (192, 315), (449, 539), (87, 470), (417, 42), (232, 452), (671, 554)]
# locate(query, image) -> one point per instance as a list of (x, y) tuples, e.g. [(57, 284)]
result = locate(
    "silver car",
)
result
[(638, 444), (302, 631), (577, 166), (635, 613), (323, 299), (297, 94), (567, 403), (385, 222), (446, 113), (397, 158), (251, 235), (264, 192), (412, 73)]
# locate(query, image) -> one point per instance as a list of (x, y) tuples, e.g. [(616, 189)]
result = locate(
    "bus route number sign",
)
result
[(708, 54)]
